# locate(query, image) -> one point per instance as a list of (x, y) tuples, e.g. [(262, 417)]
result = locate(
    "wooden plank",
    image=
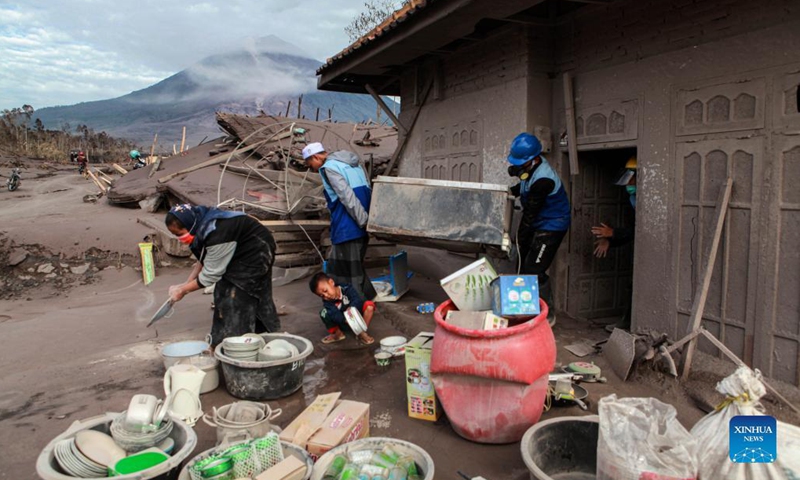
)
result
[(293, 247), (296, 223), (183, 139), (682, 341), (155, 167), (297, 260), (572, 135), (119, 169), (388, 111), (208, 163), (97, 182), (701, 294), (297, 236)]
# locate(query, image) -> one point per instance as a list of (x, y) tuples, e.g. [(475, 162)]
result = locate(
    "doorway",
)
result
[(599, 289)]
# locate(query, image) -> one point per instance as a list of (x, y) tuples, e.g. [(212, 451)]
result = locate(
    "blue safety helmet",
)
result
[(524, 148), (135, 154)]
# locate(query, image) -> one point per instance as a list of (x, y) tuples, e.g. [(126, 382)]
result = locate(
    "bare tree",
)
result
[(375, 12)]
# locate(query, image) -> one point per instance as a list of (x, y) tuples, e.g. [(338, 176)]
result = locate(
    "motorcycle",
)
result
[(139, 164), (14, 180)]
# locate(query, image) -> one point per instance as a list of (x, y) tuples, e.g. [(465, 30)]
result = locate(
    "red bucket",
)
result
[(492, 383)]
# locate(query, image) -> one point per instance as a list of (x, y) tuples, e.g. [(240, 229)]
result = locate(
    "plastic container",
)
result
[(492, 383), (288, 449), (173, 353), (562, 448), (184, 437), (138, 463), (375, 444), (251, 380)]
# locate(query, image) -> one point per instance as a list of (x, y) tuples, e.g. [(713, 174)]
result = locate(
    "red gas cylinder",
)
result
[(492, 383)]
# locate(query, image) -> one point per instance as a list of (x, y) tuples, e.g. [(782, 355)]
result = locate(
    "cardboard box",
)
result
[(515, 296), (469, 287), (422, 401), (347, 421), (476, 320), (290, 468)]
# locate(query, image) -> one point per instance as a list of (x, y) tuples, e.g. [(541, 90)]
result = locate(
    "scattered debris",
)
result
[(17, 256)]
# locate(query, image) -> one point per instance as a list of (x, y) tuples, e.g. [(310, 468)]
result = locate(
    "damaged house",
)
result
[(698, 91)]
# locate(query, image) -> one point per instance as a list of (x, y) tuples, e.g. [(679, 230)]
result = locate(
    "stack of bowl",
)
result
[(244, 348), (278, 349), (136, 440)]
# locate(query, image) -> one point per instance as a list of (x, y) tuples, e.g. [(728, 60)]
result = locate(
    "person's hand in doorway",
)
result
[(601, 248), (603, 231)]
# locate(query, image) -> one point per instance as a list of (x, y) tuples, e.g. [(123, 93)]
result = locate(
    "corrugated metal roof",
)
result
[(403, 14)]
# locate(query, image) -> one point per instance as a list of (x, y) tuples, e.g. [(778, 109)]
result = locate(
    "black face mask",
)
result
[(518, 171)]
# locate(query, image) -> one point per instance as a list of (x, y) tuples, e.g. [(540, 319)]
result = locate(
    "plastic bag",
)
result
[(743, 389), (641, 439)]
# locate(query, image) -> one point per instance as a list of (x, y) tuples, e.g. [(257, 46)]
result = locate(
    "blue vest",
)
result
[(555, 214), (344, 227)]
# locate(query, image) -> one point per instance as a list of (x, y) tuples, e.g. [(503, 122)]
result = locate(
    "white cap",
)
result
[(312, 149)]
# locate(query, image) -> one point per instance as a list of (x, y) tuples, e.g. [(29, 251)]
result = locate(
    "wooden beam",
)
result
[(119, 169), (388, 111), (572, 136), (701, 294), (183, 139)]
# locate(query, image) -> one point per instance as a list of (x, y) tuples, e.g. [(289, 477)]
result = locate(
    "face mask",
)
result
[(631, 189), (518, 171), (187, 238)]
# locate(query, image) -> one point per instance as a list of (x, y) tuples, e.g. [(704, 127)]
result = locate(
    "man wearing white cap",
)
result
[(348, 194)]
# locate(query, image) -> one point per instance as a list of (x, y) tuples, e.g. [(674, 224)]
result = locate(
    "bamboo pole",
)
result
[(153, 148), (183, 139)]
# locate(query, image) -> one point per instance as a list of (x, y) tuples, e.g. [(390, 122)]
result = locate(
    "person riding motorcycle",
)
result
[(14, 180), (82, 163), (137, 157)]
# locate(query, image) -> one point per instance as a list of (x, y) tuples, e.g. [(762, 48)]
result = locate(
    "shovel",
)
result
[(162, 312)]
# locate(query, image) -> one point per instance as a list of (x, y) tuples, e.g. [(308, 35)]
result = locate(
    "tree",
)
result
[(376, 12)]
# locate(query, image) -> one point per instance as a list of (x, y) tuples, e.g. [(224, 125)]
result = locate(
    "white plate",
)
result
[(99, 447), (86, 461)]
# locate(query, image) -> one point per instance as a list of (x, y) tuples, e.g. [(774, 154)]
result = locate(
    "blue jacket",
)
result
[(348, 194), (554, 212)]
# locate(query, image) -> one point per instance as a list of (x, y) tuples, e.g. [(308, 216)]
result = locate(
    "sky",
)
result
[(70, 51)]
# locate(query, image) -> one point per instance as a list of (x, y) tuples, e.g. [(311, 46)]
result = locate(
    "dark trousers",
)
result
[(346, 265), (537, 254), (237, 312)]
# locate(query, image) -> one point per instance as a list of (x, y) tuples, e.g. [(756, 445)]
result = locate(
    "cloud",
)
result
[(79, 50)]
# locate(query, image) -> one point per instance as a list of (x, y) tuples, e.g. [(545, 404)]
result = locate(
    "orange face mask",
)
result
[(187, 238)]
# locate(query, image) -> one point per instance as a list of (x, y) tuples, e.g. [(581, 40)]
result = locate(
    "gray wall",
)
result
[(480, 89), (706, 91)]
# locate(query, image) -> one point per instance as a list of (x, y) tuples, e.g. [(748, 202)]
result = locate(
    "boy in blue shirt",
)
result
[(336, 299)]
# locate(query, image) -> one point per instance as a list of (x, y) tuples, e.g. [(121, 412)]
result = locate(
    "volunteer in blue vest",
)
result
[(545, 212), (348, 194)]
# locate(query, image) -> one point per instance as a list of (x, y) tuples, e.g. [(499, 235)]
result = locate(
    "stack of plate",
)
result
[(244, 348), (88, 455)]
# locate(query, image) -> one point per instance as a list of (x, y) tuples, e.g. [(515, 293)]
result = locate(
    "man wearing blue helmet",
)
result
[(545, 212)]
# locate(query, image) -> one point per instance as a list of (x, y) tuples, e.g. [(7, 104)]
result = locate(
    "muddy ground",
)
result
[(73, 311)]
